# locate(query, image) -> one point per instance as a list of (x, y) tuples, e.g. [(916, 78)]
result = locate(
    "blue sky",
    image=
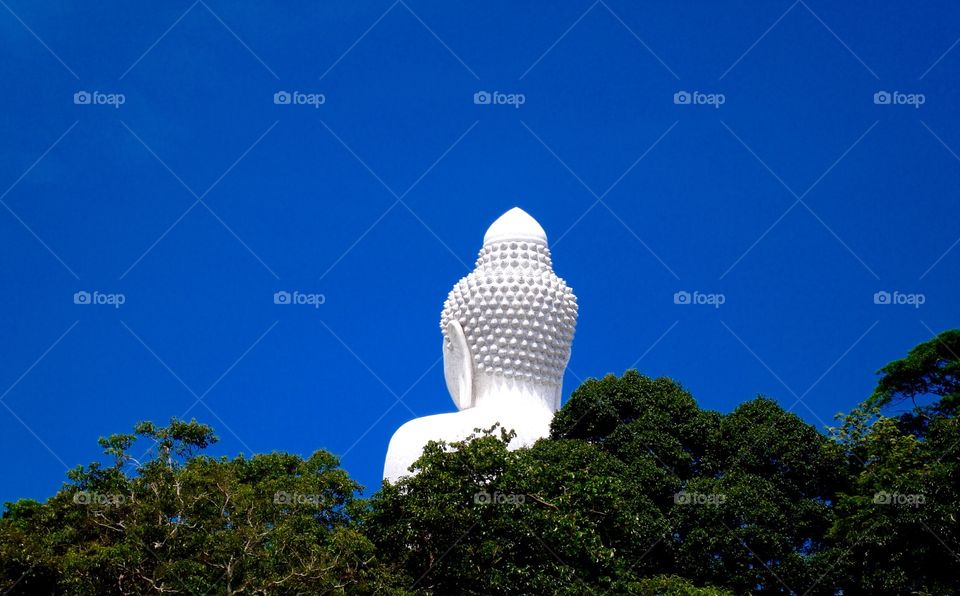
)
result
[(199, 197)]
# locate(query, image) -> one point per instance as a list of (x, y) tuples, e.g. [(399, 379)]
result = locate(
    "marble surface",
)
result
[(507, 329)]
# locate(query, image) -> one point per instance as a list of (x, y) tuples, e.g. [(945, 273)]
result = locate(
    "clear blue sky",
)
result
[(198, 198)]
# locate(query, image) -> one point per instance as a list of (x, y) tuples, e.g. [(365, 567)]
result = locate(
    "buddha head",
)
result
[(508, 326)]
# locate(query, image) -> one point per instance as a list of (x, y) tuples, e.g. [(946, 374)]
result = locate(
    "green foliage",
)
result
[(670, 585), (636, 491), (184, 522), (930, 369), (897, 527), (636, 481), (557, 518)]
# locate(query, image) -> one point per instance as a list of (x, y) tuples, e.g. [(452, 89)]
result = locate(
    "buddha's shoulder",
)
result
[(454, 426), (426, 428)]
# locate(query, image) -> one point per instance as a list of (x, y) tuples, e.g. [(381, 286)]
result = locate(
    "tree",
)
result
[(184, 522), (745, 496), (637, 490), (561, 517), (897, 526), (774, 477), (930, 369), (635, 483)]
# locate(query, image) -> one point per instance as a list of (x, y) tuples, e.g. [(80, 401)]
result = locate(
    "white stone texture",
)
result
[(508, 329)]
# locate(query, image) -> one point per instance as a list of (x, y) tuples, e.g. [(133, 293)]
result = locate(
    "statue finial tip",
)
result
[(515, 224)]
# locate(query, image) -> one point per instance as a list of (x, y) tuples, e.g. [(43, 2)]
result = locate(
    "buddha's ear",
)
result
[(458, 366)]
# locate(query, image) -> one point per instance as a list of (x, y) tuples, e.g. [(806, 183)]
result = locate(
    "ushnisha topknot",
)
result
[(517, 315)]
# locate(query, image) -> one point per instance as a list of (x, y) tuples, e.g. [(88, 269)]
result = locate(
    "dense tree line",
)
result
[(636, 491)]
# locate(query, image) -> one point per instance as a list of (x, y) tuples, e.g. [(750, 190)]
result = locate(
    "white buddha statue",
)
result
[(507, 331)]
